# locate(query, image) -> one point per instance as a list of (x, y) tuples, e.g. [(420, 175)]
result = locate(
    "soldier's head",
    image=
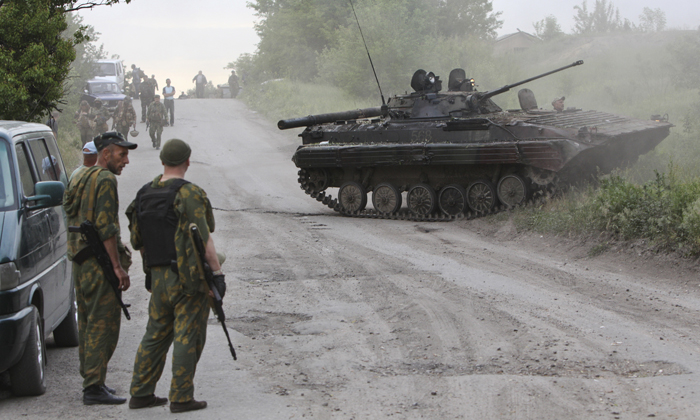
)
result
[(175, 153), (558, 104), (157, 98), (113, 151), (167, 82), (97, 103), (133, 66), (84, 105)]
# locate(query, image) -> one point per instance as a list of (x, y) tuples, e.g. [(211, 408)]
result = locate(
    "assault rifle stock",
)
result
[(209, 277), (92, 238)]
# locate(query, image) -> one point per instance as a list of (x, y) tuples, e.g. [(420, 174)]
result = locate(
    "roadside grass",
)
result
[(665, 211)]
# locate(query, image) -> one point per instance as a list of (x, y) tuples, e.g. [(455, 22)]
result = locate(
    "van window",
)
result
[(7, 190), (25, 171), (48, 165), (60, 168)]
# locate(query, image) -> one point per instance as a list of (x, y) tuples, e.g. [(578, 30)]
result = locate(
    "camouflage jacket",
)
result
[(156, 113), (191, 205), (99, 115), (126, 116), (147, 89), (76, 202)]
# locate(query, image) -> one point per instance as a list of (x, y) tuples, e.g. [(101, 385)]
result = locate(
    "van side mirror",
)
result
[(47, 194)]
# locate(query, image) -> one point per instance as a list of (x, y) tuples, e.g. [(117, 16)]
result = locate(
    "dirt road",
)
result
[(338, 318)]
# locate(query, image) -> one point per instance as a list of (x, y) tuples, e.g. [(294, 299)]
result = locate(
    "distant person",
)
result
[(156, 120), (200, 81), (233, 84), (99, 115), (89, 157), (50, 168), (125, 117), (147, 93), (136, 77), (558, 104), (82, 121), (169, 101), (155, 82), (53, 123)]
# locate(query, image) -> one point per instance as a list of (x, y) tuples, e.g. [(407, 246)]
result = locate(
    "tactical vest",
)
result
[(158, 222)]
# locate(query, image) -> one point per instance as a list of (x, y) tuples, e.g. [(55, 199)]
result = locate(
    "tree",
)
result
[(604, 18), (34, 58), (652, 20), (548, 28), (474, 18)]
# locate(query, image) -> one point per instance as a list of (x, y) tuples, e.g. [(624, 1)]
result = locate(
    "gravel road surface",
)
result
[(340, 318)]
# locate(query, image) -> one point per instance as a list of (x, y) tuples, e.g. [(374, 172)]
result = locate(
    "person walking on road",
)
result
[(98, 116), (169, 101), (125, 117), (200, 81), (147, 92), (92, 195), (82, 121), (136, 78), (156, 120), (179, 305), (233, 84)]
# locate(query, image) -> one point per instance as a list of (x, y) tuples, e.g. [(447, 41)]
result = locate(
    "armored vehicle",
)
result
[(457, 152)]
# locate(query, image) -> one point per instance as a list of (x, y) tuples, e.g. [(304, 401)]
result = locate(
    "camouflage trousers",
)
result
[(173, 318), (155, 131), (99, 319)]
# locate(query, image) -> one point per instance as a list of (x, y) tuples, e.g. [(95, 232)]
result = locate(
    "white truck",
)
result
[(112, 70)]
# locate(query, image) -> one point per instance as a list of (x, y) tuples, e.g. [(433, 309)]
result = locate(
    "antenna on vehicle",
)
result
[(368, 56)]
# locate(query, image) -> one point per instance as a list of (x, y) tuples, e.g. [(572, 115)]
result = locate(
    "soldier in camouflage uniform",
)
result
[(125, 117), (179, 305), (82, 121), (99, 115), (156, 120), (92, 195), (146, 91)]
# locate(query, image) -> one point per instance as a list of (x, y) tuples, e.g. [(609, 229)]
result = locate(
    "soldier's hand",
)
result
[(123, 277), (220, 283)]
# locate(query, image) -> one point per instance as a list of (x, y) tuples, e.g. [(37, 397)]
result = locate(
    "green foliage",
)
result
[(299, 39), (548, 28), (604, 18), (652, 20), (34, 59)]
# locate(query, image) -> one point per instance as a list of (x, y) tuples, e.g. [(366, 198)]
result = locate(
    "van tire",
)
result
[(66, 334), (28, 376)]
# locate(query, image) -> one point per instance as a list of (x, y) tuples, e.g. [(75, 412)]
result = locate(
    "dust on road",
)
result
[(339, 318)]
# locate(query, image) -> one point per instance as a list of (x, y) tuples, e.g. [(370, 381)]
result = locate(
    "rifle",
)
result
[(92, 238), (209, 277)]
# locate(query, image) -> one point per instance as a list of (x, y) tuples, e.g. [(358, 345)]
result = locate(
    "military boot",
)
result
[(97, 394)]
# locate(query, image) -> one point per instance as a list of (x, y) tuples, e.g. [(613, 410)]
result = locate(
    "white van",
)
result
[(112, 70)]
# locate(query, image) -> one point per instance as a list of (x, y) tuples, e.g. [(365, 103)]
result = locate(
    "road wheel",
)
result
[(386, 198), (28, 375), (66, 334), (512, 190), (481, 196), (315, 179), (453, 200), (352, 197), (421, 199)]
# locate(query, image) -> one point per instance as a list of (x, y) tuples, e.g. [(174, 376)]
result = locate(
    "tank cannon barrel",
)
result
[(506, 88), (331, 117)]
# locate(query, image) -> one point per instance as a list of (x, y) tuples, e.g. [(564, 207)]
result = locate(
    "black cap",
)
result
[(112, 137)]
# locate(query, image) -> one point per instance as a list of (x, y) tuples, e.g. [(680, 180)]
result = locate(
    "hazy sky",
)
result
[(176, 38)]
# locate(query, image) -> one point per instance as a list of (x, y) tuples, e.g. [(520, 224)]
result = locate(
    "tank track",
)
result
[(402, 214)]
